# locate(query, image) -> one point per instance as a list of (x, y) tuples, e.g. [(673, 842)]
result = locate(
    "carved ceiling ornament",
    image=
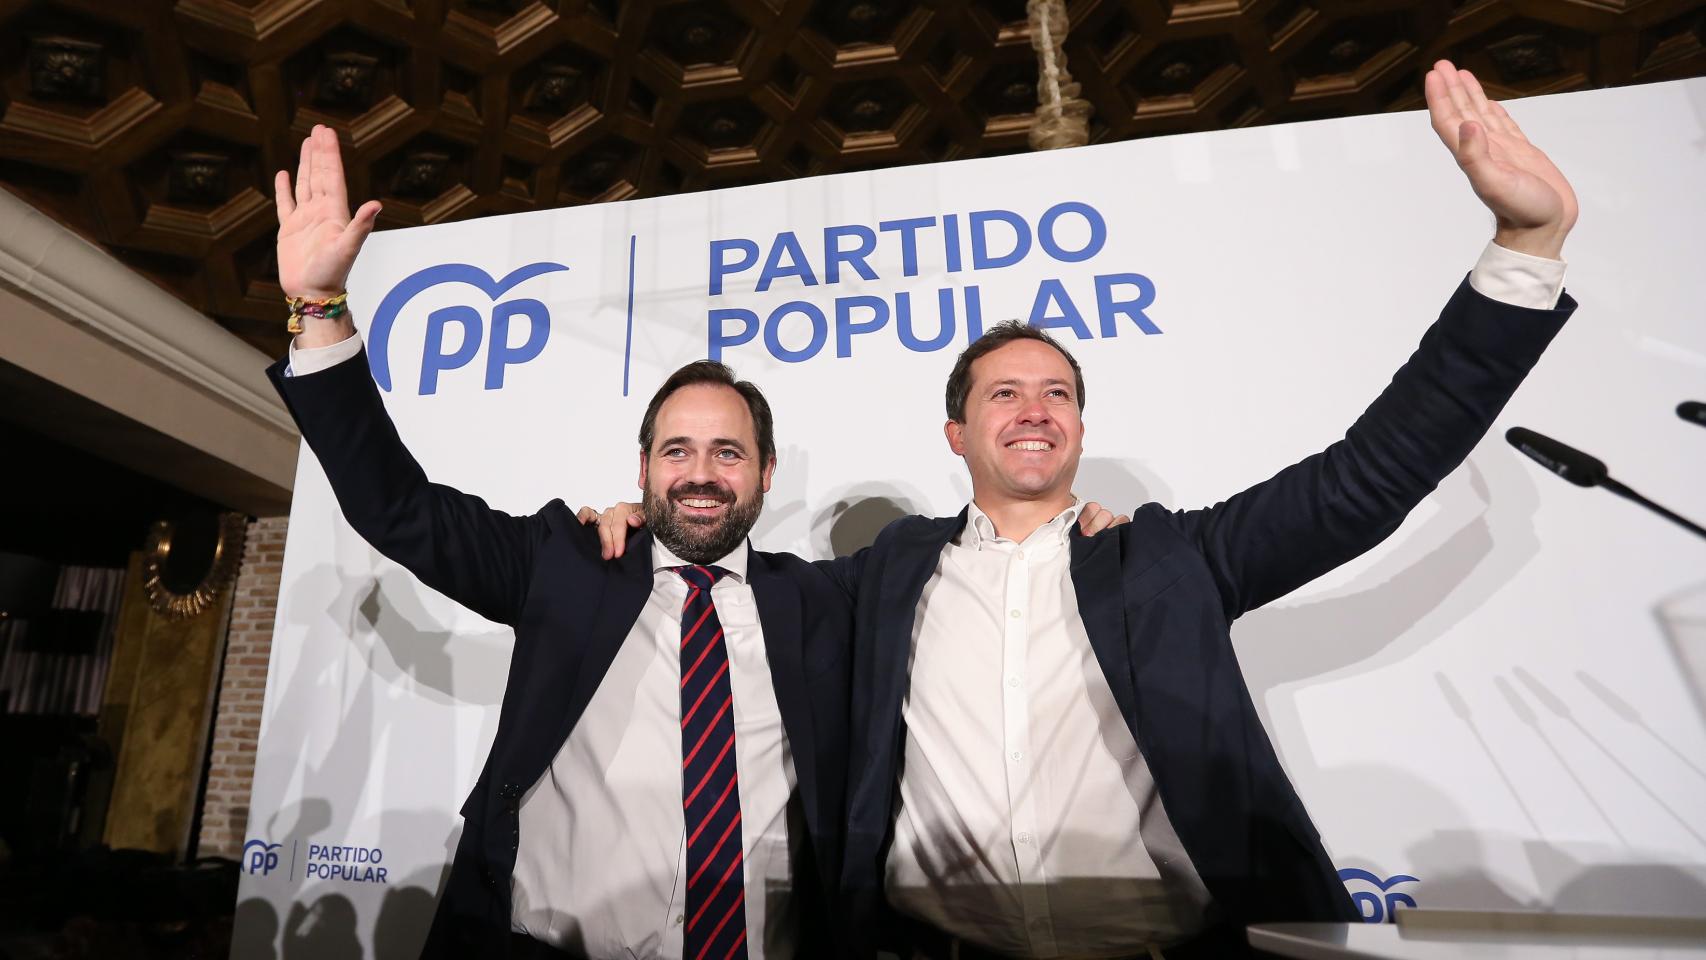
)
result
[(197, 178), (422, 175), (63, 68), (558, 86), (1526, 56), (345, 79), (468, 108), (157, 568)]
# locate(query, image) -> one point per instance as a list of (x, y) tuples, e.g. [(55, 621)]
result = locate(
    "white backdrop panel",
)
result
[(1491, 703)]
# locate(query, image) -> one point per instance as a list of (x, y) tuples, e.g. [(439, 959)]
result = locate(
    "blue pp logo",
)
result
[(259, 857), (1380, 904), (501, 354)]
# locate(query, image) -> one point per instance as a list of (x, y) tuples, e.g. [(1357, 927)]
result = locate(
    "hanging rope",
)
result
[(1063, 118)]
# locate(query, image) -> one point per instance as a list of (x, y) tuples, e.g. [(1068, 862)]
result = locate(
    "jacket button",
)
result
[(510, 791)]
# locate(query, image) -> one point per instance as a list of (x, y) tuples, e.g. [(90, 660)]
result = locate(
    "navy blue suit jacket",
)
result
[(542, 575), (1158, 597)]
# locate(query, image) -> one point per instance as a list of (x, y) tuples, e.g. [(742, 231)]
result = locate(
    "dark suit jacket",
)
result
[(542, 575), (1158, 596)]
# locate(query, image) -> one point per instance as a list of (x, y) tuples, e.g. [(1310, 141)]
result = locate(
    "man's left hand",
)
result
[(1532, 202)]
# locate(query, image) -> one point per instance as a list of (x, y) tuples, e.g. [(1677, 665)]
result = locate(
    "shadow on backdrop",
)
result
[(254, 933), (324, 930), (406, 914), (419, 648), (858, 514)]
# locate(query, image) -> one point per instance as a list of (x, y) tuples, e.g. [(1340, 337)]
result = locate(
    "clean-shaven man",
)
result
[(1053, 753)]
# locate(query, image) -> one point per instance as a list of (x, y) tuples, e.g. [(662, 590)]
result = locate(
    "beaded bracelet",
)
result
[(300, 307)]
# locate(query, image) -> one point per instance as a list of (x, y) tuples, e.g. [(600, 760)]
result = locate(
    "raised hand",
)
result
[(317, 238), (1532, 202)]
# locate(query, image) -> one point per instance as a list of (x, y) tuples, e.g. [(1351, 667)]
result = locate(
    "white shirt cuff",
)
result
[(306, 360), (1518, 279)]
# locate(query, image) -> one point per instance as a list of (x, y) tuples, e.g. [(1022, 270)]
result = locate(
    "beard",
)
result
[(696, 539)]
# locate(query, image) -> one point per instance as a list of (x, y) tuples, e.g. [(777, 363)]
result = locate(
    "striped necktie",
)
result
[(710, 790)]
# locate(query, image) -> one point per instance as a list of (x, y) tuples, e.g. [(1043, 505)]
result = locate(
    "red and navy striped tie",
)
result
[(710, 788)]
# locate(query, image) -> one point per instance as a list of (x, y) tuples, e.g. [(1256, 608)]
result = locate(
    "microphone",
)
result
[(1693, 411), (1564, 460), (1586, 471)]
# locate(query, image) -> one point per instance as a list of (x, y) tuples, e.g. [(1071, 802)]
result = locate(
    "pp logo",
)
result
[(259, 857), (1380, 904), (500, 353)]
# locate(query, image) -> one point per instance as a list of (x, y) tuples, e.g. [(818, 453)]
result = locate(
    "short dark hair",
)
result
[(719, 374), (993, 339)]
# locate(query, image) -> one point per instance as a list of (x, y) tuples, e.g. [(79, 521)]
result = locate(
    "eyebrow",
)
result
[(1016, 382), (685, 441)]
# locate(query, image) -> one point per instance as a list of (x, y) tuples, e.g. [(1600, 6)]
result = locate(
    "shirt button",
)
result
[(1024, 838), (1012, 681), (1016, 755), (680, 917), (1015, 614)]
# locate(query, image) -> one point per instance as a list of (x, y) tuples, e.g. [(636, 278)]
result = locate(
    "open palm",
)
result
[(1514, 178), (317, 238)]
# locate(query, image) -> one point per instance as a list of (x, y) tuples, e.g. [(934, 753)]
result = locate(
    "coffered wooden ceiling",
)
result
[(153, 126)]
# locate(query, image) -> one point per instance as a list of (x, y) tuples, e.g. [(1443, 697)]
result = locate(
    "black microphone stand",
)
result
[(1628, 494)]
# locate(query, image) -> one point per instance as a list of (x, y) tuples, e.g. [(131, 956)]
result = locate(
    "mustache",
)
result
[(712, 491)]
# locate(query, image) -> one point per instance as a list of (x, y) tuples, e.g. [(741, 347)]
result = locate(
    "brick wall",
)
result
[(237, 714)]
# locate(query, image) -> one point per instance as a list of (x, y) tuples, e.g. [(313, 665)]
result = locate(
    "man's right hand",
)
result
[(317, 238), (613, 526)]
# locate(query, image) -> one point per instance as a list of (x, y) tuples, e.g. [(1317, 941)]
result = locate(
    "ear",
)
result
[(769, 471), (642, 470), (956, 434)]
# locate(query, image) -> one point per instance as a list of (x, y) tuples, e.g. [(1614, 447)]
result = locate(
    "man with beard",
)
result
[(609, 819)]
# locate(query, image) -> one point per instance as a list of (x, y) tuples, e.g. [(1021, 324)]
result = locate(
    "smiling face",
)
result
[(1022, 434), (703, 478)]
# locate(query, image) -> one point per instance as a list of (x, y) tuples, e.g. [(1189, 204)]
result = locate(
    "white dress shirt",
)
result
[(1028, 820), (601, 867)]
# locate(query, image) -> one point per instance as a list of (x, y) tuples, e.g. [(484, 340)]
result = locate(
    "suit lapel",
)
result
[(784, 639), (1101, 605), (907, 568), (626, 590), (578, 669)]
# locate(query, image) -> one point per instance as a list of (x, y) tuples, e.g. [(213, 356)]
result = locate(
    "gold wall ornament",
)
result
[(157, 556)]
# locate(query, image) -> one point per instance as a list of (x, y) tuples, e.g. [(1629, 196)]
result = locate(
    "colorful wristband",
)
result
[(300, 307)]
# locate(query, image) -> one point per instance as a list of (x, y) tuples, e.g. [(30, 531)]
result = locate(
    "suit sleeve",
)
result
[(452, 541), (845, 571), (1331, 507)]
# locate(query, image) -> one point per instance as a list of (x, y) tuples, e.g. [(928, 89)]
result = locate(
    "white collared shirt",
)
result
[(1027, 821), (601, 866)]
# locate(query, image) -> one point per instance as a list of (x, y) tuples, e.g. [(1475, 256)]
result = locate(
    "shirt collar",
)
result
[(734, 561), (980, 530)]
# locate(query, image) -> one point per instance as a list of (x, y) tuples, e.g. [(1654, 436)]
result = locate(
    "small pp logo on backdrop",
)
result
[(1379, 905), (259, 857)]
